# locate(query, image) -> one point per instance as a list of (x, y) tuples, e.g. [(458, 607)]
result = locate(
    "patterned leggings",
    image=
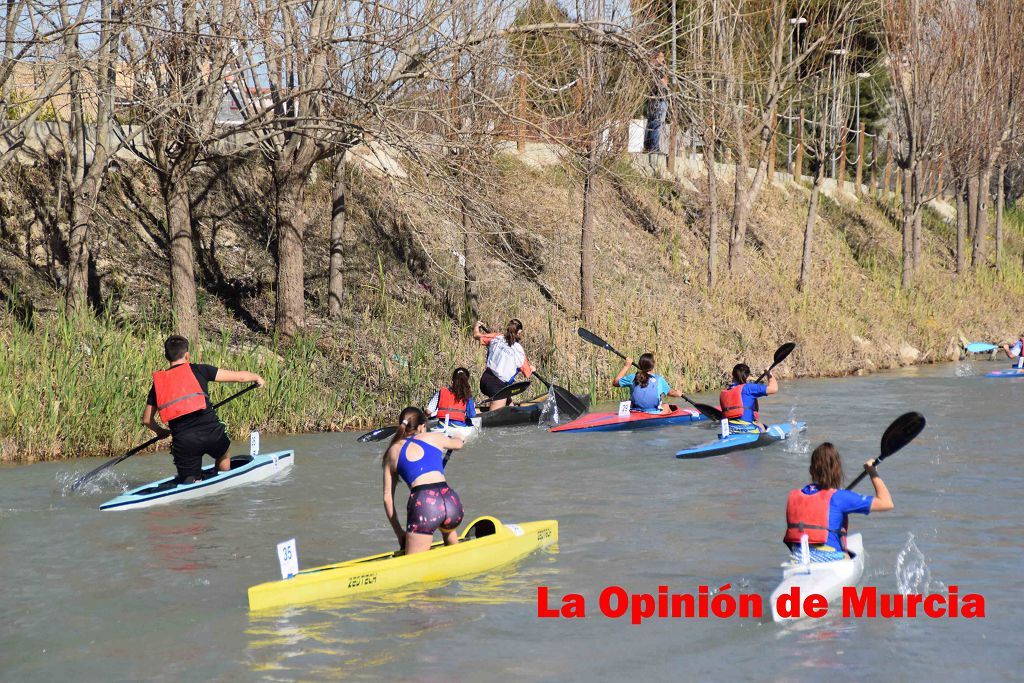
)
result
[(432, 507)]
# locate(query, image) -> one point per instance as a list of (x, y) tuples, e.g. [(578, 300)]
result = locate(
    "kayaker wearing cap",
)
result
[(739, 401), (454, 403), (415, 456), (645, 387), (505, 359), (820, 509), (181, 397)]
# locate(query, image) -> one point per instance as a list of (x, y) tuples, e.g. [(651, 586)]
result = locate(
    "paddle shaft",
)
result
[(89, 475), (861, 476)]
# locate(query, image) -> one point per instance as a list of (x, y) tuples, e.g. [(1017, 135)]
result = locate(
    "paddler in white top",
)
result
[(181, 398), (505, 359)]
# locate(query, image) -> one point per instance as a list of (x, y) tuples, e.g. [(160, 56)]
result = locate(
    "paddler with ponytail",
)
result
[(820, 509), (182, 399), (645, 388), (739, 400), (415, 456), (505, 359), (454, 403)]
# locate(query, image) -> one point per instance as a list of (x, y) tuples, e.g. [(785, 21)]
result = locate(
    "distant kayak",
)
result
[(245, 469), (611, 422), (742, 442), (1006, 373), (527, 413), (485, 545), (821, 578)]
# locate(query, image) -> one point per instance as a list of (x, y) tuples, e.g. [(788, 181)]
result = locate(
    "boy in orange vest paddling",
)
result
[(181, 398)]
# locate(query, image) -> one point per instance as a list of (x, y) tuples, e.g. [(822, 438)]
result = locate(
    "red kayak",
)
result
[(610, 422)]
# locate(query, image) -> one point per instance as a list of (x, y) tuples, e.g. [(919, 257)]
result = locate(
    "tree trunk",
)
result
[(907, 264), (587, 241), (981, 233), (339, 214), (961, 225), (75, 295), (291, 227), (178, 213), (712, 209), (972, 210), (999, 215), (812, 216), (471, 303), (917, 193)]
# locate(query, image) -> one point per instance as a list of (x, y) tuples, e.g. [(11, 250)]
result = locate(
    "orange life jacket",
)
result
[(808, 514), (731, 401), (451, 407), (177, 392)]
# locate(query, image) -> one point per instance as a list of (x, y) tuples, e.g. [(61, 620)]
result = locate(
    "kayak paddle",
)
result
[(979, 347), (110, 463), (902, 431), (707, 411), (781, 354)]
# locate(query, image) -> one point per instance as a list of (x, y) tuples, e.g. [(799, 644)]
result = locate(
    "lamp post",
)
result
[(794, 22)]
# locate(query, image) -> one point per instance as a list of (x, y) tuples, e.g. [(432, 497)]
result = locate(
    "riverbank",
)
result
[(76, 387)]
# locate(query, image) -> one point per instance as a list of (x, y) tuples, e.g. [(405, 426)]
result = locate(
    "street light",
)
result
[(794, 22)]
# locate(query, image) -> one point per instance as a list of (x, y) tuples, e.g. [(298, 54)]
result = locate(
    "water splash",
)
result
[(549, 411), (964, 368), (799, 442), (912, 572), (104, 482)]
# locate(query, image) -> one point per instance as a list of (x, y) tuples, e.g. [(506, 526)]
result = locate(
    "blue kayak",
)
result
[(742, 442), (245, 469), (1005, 373)]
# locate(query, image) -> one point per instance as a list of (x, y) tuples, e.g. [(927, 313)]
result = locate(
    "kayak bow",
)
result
[(523, 414), (821, 578), (245, 469), (611, 422), (1015, 372), (742, 442), (483, 546)]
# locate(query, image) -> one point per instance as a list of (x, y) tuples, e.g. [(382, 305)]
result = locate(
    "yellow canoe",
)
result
[(484, 545)]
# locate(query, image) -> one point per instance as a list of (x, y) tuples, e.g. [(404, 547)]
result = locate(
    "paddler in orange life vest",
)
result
[(180, 396), (739, 400), (454, 403), (820, 509), (505, 359)]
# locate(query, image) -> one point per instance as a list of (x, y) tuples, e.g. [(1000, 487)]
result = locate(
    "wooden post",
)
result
[(888, 166), (841, 179), (521, 123), (771, 153), (860, 159), (798, 161)]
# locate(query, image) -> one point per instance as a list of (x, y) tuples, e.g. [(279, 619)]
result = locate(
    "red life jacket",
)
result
[(808, 514), (177, 392), (451, 407), (731, 401)]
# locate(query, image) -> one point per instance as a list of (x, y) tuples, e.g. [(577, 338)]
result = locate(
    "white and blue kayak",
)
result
[(245, 469), (822, 578), (1013, 372), (465, 432), (742, 442)]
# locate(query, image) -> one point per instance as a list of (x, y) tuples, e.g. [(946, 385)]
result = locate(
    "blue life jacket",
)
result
[(646, 399)]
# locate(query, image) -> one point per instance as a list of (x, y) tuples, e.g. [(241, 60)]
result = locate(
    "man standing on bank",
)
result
[(180, 395)]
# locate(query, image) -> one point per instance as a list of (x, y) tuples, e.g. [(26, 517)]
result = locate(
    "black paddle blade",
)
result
[(569, 407), (510, 391), (704, 409), (378, 434), (902, 431), (783, 352), (592, 338)]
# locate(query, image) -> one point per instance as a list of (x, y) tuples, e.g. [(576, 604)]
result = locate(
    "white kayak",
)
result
[(465, 432), (824, 578), (245, 469)]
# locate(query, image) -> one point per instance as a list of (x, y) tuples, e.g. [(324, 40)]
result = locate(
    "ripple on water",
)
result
[(912, 572)]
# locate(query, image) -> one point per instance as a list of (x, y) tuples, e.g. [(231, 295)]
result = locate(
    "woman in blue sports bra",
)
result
[(416, 457)]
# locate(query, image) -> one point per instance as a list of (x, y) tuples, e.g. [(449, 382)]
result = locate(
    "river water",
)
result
[(161, 593)]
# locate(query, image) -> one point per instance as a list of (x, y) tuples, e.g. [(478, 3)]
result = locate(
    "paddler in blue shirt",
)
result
[(739, 400), (645, 388), (1014, 350), (820, 509)]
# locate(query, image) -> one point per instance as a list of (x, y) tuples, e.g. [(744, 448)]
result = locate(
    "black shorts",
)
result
[(188, 449), (490, 384)]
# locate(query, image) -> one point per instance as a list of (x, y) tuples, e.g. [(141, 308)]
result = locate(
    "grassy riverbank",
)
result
[(71, 387)]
